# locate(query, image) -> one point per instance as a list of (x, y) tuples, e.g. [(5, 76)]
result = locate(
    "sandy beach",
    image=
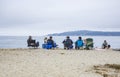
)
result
[(54, 63)]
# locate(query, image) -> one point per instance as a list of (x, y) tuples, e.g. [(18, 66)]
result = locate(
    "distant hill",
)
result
[(86, 33)]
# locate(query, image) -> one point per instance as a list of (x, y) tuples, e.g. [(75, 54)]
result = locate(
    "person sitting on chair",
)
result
[(105, 45), (79, 43), (68, 43), (32, 42), (50, 41)]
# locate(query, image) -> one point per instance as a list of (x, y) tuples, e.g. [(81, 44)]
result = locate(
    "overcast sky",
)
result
[(40, 17)]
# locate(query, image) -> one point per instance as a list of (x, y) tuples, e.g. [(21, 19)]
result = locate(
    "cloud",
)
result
[(45, 16)]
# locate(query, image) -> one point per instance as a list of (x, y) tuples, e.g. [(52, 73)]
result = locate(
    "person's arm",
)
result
[(71, 42), (47, 40), (52, 41), (63, 41)]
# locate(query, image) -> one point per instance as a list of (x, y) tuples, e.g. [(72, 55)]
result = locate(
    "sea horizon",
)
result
[(21, 41)]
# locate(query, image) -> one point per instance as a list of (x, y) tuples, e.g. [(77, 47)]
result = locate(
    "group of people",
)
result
[(49, 42), (68, 43)]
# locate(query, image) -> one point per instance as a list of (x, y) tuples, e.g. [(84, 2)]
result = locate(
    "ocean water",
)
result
[(21, 41)]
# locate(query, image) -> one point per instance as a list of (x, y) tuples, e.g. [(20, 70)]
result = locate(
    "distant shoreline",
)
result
[(87, 33)]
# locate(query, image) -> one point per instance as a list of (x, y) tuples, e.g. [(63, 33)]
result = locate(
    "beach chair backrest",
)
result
[(89, 40), (79, 43), (89, 43)]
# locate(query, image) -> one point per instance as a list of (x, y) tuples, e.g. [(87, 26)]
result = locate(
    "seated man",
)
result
[(68, 43), (105, 45), (51, 43), (32, 42), (79, 43)]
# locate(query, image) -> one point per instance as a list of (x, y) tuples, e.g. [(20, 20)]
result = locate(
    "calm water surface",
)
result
[(20, 41)]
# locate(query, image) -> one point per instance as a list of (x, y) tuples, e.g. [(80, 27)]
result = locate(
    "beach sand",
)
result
[(54, 63)]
